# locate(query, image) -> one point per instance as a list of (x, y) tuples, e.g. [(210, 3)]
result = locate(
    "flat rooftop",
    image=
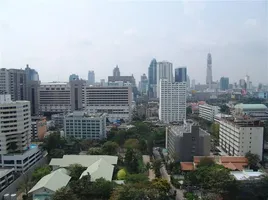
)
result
[(3, 172)]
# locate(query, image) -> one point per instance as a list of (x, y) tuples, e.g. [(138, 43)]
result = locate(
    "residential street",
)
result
[(166, 176)]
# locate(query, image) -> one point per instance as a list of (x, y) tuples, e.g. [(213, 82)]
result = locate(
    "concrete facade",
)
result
[(208, 112), (172, 101), (186, 141), (82, 125)]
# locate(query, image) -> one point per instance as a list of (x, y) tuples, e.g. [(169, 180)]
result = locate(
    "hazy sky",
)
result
[(61, 37)]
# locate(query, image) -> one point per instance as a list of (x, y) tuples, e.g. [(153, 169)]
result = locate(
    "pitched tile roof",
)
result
[(187, 166)]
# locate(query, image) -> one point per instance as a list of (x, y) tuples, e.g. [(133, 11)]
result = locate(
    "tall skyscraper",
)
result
[(164, 71), (209, 79), (116, 71), (73, 77), (152, 79), (172, 101), (143, 84), (18, 84), (91, 77), (181, 74), (31, 74), (224, 83)]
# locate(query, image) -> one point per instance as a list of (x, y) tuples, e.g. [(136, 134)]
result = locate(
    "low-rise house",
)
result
[(49, 184), (234, 163)]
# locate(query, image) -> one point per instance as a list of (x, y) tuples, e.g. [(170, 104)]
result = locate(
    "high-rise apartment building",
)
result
[(55, 97), (164, 71), (83, 125), (241, 135), (187, 140), (4, 81), (172, 101), (209, 79), (116, 101), (152, 79), (143, 87), (15, 131), (116, 71), (91, 78), (181, 74), (224, 83), (76, 88), (18, 84), (33, 88)]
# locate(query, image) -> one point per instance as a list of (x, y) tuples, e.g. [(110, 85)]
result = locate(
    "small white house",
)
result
[(49, 184)]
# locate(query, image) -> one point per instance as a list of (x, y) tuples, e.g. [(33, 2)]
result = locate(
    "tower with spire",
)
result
[(209, 79)]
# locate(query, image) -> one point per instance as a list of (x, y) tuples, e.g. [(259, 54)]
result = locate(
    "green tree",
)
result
[(110, 148), (225, 109), (95, 151), (131, 161), (102, 189), (54, 141), (253, 160), (13, 146), (161, 185), (156, 165), (26, 184), (76, 170), (131, 144), (64, 194), (121, 174), (40, 172), (136, 178), (56, 153), (189, 110), (206, 161), (215, 130)]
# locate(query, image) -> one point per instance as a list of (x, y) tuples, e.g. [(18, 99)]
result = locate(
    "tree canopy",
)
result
[(76, 170), (40, 172)]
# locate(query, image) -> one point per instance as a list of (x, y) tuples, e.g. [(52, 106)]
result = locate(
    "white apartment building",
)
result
[(21, 162), (208, 112), (55, 97), (164, 71), (6, 178), (115, 101), (83, 125), (15, 120), (240, 135), (172, 101), (4, 81)]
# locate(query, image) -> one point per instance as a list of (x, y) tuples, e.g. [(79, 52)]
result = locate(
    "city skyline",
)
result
[(131, 42)]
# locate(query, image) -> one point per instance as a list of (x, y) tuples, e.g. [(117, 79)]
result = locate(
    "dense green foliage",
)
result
[(253, 160), (156, 165), (40, 172), (76, 170)]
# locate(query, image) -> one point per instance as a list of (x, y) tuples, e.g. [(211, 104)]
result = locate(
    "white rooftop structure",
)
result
[(84, 160), (52, 181), (99, 169), (247, 175)]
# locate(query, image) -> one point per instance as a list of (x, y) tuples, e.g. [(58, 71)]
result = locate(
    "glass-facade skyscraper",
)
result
[(181, 74)]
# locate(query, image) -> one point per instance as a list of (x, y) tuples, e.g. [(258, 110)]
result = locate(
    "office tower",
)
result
[(116, 71), (73, 77), (55, 97), (152, 79), (209, 79), (172, 101), (187, 140), (181, 74), (247, 81), (224, 83), (31, 74), (83, 125), (240, 135), (193, 84), (164, 71), (15, 132), (102, 82), (116, 101), (242, 83), (4, 80), (188, 82), (18, 84), (76, 87), (91, 77), (33, 88), (144, 84)]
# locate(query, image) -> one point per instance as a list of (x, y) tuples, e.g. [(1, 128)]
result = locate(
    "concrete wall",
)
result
[(13, 187)]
